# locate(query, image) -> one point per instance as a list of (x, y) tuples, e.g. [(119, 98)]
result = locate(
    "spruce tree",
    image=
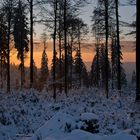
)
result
[(44, 72), (114, 60), (103, 20), (7, 8), (81, 75), (20, 33), (94, 79)]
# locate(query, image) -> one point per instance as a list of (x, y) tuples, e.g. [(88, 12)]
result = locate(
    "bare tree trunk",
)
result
[(106, 44), (71, 61), (54, 50), (97, 51), (65, 44), (21, 77), (119, 47), (79, 49), (31, 43), (98, 74), (60, 59), (112, 73), (23, 72), (8, 46), (60, 49), (22, 68), (21, 49), (137, 51)]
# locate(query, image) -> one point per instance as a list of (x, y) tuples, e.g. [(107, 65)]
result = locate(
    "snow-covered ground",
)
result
[(83, 115)]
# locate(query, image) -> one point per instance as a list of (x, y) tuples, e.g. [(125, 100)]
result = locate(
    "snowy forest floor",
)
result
[(85, 114)]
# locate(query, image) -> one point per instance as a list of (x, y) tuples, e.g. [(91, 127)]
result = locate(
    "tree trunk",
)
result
[(60, 60), (65, 45), (119, 47), (60, 50), (79, 49), (98, 55), (31, 43), (8, 47), (112, 73), (98, 74), (22, 68), (21, 49), (54, 50), (137, 50), (71, 65), (106, 44)]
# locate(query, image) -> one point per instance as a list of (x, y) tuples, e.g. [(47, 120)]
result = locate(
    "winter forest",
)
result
[(63, 73)]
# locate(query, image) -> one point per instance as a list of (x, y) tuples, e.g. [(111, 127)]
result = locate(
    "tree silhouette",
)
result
[(118, 46), (44, 72), (21, 36)]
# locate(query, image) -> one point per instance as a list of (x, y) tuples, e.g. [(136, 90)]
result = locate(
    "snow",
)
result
[(55, 129), (31, 115), (78, 134), (121, 136), (89, 116), (5, 132), (81, 135)]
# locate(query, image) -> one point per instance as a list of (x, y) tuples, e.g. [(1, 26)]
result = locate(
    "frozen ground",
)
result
[(85, 115)]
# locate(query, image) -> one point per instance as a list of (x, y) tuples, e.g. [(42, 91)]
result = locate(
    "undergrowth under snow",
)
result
[(84, 114)]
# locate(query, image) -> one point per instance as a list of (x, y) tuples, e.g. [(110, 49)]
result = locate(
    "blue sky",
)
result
[(127, 14)]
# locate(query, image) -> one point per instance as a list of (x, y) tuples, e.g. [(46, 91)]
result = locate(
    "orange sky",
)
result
[(87, 54)]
